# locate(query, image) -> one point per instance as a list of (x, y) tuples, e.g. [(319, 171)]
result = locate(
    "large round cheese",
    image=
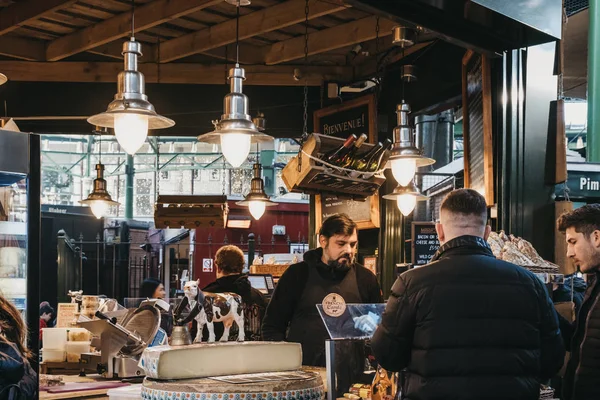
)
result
[(309, 387)]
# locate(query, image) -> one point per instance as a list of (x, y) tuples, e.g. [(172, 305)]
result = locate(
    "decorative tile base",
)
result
[(316, 393)]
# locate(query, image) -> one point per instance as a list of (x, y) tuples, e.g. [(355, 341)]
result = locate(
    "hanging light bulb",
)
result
[(130, 113), (406, 197), (579, 144), (257, 200), (99, 199), (405, 156), (236, 131)]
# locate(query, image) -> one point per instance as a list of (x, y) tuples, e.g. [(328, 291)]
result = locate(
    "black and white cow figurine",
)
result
[(208, 308)]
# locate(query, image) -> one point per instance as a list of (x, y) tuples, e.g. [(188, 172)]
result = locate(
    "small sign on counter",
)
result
[(424, 242), (66, 314)]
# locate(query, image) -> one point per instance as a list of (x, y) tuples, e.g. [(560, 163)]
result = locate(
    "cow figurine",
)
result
[(208, 308)]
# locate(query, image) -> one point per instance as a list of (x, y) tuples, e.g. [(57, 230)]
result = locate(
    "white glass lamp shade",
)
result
[(235, 148), (404, 170), (257, 208), (406, 203), (99, 208), (131, 131)]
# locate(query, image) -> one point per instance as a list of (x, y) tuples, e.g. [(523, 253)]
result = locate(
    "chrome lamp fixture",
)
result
[(257, 200), (130, 113), (235, 131), (406, 197), (99, 200), (405, 157)]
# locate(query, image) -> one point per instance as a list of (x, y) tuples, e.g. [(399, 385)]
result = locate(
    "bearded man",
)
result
[(330, 270)]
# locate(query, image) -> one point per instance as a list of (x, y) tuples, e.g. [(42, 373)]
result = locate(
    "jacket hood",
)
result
[(465, 244), (237, 283)]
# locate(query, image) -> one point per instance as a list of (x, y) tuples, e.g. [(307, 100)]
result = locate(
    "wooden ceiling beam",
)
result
[(183, 73), (249, 54), (23, 49), (146, 16), (23, 12), (370, 68), (259, 22), (328, 39)]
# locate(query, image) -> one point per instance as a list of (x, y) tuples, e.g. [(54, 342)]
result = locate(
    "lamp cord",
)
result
[(132, 19), (237, 34)]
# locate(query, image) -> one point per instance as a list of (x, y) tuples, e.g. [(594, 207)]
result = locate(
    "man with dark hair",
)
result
[(229, 261), (582, 233), (331, 269), (46, 312), (469, 326)]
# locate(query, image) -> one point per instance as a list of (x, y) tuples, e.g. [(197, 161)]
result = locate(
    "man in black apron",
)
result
[(331, 269)]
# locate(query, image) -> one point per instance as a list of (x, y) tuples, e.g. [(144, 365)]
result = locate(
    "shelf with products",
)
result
[(309, 173)]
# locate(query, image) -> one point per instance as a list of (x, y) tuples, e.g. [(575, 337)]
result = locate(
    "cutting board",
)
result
[(78, 387)]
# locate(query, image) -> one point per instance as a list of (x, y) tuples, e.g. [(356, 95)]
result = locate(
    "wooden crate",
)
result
[(274, 269), (190, 212), (315, 178)]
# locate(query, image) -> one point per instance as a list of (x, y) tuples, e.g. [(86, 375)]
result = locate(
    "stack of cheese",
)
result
[(228, 371), (520, 252)]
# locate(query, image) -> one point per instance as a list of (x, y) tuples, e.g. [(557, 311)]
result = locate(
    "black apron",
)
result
[(308, 329)]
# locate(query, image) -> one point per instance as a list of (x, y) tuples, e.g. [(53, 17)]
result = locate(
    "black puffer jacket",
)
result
[(469, 326), (18, 381), (582, 377)]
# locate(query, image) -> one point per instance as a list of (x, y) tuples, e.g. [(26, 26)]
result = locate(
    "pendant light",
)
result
[(99, 199), (130, 113), (257, 200), (235, 131), (406, 197), (405, 156)]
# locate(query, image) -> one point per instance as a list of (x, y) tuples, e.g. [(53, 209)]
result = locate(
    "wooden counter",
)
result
[(84, 394)]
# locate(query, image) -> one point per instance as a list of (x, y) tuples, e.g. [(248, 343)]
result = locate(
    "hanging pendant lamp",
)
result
[(235, 131), (257, 200), (130, 113), (406, 197), (405, 157), (99, 200)]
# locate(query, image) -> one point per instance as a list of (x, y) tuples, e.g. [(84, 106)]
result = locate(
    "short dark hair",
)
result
[(585, 219), (230, 259), (465, 202), (46, 309), (337, 224)]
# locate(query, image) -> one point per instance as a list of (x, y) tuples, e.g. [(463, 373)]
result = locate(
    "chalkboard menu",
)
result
[(352, 117), (364, 213), (424, 242), (477, 125)]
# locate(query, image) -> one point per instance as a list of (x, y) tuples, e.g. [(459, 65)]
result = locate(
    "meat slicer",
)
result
[(121, 336)]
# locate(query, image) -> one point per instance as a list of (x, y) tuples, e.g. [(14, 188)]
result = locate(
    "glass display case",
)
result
[(20, 225)]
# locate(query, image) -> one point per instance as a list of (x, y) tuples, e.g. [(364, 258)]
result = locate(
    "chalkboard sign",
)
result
[(364, 213), (424, 242), (352, 117), (477, 125)]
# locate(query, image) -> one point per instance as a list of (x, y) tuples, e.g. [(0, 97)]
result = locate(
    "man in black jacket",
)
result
[(329, 270), (229, 261), (469, 326), (582, 376)]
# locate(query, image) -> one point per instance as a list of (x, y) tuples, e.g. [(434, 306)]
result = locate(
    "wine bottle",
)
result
[(348, 159), (361, 162), (334, 156), (378, 161)]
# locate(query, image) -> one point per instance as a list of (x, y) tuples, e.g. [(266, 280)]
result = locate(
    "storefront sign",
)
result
[(352, 117), (65, 209), (581, 185), (424, 242)]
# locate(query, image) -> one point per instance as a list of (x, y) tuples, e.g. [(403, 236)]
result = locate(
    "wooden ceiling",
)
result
[(187, 41)]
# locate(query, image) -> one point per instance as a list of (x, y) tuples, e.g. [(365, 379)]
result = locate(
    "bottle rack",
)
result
[(315, 176)]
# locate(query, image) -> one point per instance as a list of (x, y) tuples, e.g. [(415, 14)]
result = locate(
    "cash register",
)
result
[(263, 283)]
